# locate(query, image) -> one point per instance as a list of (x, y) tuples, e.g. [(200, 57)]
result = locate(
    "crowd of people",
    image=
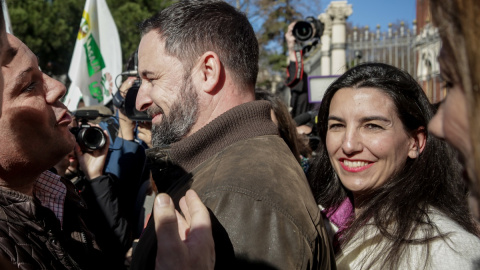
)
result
[(238, 184)]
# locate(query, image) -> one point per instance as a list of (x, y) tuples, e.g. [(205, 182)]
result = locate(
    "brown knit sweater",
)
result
[(242, 122)]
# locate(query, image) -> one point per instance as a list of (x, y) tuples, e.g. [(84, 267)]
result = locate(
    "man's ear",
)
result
[(418, 142), (209, 70)]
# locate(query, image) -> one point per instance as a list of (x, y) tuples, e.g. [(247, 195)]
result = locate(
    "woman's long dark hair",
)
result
[(400, 207)]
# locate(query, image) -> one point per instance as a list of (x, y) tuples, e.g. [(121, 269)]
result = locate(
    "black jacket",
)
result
[(31, 236), (107, 217)]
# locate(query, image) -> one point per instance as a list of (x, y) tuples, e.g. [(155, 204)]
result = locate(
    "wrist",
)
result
[(92, 176)]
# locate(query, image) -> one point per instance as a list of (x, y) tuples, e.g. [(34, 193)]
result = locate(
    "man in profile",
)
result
[(198, 61), (40, 213)]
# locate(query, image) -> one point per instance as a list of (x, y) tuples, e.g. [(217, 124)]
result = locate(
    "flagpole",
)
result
[(6, 17)]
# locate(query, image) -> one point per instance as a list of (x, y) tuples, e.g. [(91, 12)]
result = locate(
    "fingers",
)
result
[(170, 248), (104, 149), (126, 85), (291, 25), (200, 240), (197, 251), (289, 30), (107, 143), (198, 212), (185, 210), (183, 226)]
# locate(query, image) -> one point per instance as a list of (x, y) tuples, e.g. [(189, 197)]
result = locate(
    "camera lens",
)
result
[(91, 138), (303, 31)]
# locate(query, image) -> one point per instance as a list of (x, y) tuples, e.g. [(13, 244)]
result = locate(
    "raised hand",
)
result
[(183, 243), (92, 163)]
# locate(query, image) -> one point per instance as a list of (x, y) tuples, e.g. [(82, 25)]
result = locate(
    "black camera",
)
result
[(308, 29), (89, 138), (127, 104), (130, 99)]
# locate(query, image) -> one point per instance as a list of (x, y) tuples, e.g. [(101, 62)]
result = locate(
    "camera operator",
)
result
[(135, 136), (106, 177), (297, 79), (105, 217)]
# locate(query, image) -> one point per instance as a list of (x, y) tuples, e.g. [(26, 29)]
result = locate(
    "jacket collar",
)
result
[(29, 208)]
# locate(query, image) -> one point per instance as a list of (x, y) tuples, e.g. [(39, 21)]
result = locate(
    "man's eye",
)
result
[(373, 126), (30, 87)]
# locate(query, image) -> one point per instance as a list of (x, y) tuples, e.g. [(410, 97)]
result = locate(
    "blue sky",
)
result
[(373, 12)]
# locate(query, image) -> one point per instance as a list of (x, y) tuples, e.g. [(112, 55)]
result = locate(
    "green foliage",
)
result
[(270, 19), (277, 61), (128, 14), (49, 28)]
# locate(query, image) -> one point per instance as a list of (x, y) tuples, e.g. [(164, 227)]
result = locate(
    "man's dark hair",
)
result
[(191, 28), (400, 207)]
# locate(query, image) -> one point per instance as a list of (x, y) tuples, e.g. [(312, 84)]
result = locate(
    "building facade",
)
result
[(414, 49)]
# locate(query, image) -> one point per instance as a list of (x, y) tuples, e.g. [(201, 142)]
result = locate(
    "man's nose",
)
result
[(143, 98), (55, 90)]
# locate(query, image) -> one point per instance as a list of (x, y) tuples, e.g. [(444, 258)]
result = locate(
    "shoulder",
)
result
[(260, 175), (260, 169), (258, 184), (259, 157), (458, 248)]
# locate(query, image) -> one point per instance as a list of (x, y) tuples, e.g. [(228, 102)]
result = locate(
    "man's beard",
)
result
[(182, 116)]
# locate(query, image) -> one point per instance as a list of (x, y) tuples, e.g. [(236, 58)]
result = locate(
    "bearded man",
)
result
[(198, 61)]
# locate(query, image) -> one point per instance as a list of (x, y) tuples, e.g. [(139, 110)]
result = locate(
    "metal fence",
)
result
[(396, 48), (399, 48)]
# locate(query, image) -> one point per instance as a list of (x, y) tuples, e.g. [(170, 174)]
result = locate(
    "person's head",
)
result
[(196, 60), (373, 122), (190, 28), (284, 121), (34, 132), (376, 149), (458, 23)]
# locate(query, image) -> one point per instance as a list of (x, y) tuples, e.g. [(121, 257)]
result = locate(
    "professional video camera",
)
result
[(307, 30), (88, 137), (127, 104)]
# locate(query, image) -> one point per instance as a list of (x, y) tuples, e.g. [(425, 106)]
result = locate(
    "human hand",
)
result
[(92, 163), (290, 38), (126, 85), (127, 126), (304, 129), (145, 132), (183, 243)]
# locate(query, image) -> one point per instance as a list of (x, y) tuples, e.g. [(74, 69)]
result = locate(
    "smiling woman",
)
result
[(392, 194), (366, 141)]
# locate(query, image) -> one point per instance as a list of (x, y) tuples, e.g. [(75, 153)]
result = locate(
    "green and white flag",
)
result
[(97, 57)]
